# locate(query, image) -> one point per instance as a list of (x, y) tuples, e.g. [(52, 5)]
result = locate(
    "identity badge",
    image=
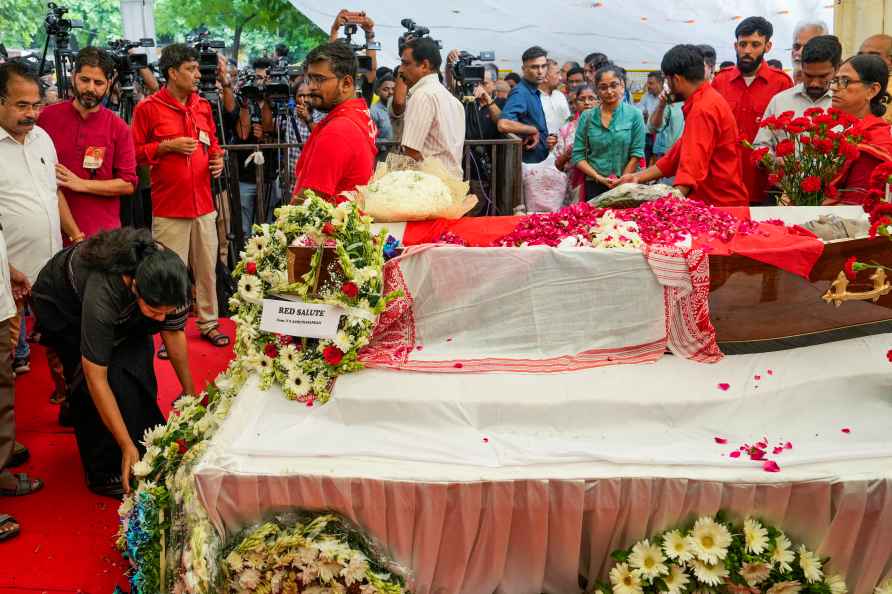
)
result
[(93, 157), (204, 138)]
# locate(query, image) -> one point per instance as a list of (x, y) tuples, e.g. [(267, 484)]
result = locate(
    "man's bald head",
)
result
[(878, 45)]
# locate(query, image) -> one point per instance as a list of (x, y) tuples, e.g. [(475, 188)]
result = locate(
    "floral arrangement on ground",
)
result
[(717, 555), (165, 531), (312, 553)]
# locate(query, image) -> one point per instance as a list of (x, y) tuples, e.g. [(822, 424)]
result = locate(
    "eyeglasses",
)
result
[(307, 96), (842, 82), (24, 106), (611, 87), (318, 79)]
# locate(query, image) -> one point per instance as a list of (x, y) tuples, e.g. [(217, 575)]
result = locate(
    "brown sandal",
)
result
[(216, 338), (24, 486), (7, 521)]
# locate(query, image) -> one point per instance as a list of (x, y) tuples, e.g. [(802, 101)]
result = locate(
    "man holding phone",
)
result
[(366, 82)]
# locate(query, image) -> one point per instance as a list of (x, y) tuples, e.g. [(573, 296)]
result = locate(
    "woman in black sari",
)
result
[(98, 303)]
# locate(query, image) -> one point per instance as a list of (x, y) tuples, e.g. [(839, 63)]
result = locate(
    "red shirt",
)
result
[(748, 104), (340, 153), (109, 142), (181, 184), (706, 157)]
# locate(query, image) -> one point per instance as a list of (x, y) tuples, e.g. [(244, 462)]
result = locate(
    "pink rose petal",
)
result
[(769, 372), (757, 377), (485, 440), (757, 454), (724, 387), (770, 466), (419, 348), (458, 365), (788, 446), (449, 339), (720, 440), (777, 450), (846, 430), (735, 454)]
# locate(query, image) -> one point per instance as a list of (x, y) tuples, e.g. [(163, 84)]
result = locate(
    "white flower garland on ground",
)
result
[(717, 555)]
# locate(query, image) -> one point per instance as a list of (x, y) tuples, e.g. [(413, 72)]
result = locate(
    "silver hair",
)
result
[(493, 70), (820, 25)]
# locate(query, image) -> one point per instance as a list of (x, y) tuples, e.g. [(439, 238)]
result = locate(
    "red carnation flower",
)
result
[(285, 339), (849, 268), (849, 151), (271, 351), (758, 154), (811, 184), (251, 267), (881, 222), (350, 290), (889, 355), (813, 111), (332, 355), (329, 229), (805, 139), (785, 147), (773, 179)]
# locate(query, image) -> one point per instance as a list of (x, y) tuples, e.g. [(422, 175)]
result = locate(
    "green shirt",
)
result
[(608, 150)]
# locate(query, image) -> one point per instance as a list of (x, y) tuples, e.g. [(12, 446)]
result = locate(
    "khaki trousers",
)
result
[(195, 242), (7, 394)]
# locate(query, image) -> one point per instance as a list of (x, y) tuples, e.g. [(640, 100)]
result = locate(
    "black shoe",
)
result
[(20, 455), (109, 487), (65, 416)]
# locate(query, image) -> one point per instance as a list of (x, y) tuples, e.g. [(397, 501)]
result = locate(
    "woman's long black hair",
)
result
[(873, 69), (161, 277)]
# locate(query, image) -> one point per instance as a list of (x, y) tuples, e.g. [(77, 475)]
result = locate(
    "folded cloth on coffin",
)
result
[(541, 309)]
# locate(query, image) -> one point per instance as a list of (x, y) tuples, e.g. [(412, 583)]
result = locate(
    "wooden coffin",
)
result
[(756, 307)]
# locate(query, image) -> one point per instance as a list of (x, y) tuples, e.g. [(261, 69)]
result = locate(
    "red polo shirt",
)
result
[(108, 140), (181, 184), (748, 104), (706, 157), (340, 153)]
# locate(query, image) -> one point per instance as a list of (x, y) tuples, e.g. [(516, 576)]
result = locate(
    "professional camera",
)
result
[(466, 74), (413, 31), (126, 64), (58, 27), (274, 88), (351, 28), (207, 61)]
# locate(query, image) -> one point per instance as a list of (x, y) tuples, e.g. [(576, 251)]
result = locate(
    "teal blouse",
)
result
[(609, 149)]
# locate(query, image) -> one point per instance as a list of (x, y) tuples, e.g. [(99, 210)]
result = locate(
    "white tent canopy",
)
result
[(633, 33)]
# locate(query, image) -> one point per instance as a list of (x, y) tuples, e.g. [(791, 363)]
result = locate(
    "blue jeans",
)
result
[(22, 348), (248, 193)]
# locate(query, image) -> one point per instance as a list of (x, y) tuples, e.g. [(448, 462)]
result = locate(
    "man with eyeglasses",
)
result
[(300, 123), (340, 153), (819, 62), (523, 114)]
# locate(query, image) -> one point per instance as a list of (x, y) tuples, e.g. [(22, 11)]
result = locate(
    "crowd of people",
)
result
[(98, 290)]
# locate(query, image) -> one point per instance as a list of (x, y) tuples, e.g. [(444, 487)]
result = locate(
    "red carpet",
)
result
[(66, 538)]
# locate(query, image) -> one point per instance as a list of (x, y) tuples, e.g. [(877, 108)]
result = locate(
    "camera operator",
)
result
[(175, 134), (97, 164), (434, 121), (340, 153), (256, 125), (346, 17)]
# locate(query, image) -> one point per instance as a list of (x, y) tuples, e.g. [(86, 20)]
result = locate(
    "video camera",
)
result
[(207, 61), (126, 64), (468, 75), (413, 31), (58, 27), (274, 88), (351, 28)]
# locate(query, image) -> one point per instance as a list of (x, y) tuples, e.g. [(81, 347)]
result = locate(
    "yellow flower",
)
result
[(709, 574), (675, 546), (836, 584), (756, 536), (810, 564), (624, 580), (676, 580), (709, 540), (782, 556), (648, 560)]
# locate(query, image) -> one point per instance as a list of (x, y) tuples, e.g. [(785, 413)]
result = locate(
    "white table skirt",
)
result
[(573, 465)]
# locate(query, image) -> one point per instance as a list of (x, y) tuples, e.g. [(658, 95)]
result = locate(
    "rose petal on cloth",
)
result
[(889, 355), (769, 372), (757, 377), (458, 365), (777, 450), (735, 454), (846, 430), (720, 440), (788, 446), (724, 387), (485, 440), (770, 466), (757, 454), (419, 348)]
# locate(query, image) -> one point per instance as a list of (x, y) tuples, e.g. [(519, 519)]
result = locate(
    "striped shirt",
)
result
[(434, 124)]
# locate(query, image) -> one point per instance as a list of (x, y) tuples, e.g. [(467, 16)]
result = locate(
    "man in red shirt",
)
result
[(174, 134), (340, 153), (748, 88), (95, 147), (705, 159)]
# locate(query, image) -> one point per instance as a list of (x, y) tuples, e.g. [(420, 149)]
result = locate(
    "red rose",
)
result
[(271, 351), (785, 147), (329, 229), (251, 267), (285, 339), (811, 184), (849, 268), (350, 290), (332, 355)]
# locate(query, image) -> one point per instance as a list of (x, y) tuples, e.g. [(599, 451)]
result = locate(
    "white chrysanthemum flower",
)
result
[(837, 584), (624, 580), (675, 546), (235, 561), (709, 573), (782, 555), (810, 564), (709, 540), (884, 587), (152, 435), (364, 275), (790, 587), (648, 560), (676, 580), (151, 454), (343, 340), (289, 356), (298, 384), (355, 570), (249, 579), (250, 289), (142, 469), (755, 573), (256, 246), (756, 536)]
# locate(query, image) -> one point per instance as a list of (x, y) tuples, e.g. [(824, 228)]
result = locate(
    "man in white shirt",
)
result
[(554, 103), (33, 211), (805, 31), (434, 121), (820, 60)]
